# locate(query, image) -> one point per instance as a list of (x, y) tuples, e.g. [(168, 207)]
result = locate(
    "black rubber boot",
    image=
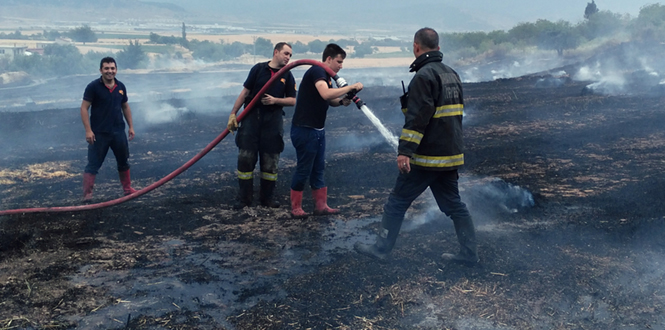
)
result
[(267, 192), (466, 236), (245, 194), (381, 248)]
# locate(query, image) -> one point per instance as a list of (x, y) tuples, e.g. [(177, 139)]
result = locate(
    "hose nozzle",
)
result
[(350, 95), (359, 103)]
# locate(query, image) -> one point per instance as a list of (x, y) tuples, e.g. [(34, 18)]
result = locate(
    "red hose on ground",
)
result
[(182, 168)]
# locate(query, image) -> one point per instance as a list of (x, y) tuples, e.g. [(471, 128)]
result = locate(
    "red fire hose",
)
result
[(339, 81)]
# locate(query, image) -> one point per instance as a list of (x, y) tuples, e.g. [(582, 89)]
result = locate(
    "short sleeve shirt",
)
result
[(311, 109), (106, 106), (257, 78)]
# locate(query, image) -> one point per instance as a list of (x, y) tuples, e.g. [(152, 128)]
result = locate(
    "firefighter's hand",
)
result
[(232, 125), (345, 102), (268, 100), (404, 164)]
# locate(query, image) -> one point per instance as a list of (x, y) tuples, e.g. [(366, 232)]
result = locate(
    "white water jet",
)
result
[(392, 139)]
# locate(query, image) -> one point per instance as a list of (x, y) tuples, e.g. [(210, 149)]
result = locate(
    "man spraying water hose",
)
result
[(307, 130)]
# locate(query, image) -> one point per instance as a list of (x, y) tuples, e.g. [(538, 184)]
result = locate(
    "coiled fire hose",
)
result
[(340, 82)]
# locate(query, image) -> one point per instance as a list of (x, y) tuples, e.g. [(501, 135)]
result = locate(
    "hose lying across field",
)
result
[(339, 81)]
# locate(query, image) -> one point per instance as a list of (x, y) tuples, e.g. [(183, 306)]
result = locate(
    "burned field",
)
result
[(587, 254)]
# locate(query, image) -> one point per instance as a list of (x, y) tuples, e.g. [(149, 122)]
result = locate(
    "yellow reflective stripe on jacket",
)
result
[(437, 161), (411, 136), (269, 176), (449, 110), (404, 110), (245, 175)]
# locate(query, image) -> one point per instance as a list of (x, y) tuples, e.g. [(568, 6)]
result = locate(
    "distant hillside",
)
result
[(89, 10), (92, 3)]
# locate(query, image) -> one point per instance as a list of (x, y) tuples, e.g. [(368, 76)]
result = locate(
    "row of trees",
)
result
[(544, 34), (60, 60), (216, 51), (562, 35), (80, 34)]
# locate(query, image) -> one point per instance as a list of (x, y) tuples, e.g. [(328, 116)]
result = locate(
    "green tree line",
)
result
[(62, 60), (559, 36), (79, 34)]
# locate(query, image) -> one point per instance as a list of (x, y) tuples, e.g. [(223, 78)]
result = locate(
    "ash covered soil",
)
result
[(588, 254)]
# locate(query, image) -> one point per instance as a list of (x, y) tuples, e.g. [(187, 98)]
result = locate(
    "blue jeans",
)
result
[(310, 145), (97, 151)]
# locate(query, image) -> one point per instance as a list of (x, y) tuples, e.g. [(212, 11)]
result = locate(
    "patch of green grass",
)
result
[(146, 48), (122, 36), (158, 48), (390, 55)]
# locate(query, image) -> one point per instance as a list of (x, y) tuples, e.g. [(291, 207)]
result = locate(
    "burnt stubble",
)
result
[(587, 255)]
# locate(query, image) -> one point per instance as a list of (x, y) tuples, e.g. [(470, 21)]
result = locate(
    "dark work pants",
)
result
[(445, 189), (97, 151), (247, 162), (310, 145), (260, 137)]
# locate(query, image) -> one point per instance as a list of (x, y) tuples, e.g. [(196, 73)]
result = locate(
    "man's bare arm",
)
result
[(127, 112), (89, 135)]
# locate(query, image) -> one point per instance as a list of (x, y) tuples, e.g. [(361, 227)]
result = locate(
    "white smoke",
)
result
[(486, 198), (510, 67), (625, 69), (163, 114)]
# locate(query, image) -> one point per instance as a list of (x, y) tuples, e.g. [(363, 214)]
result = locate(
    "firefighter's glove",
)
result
[(233, 123)]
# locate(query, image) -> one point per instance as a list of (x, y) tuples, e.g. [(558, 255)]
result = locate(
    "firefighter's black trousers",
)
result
[(260, 136)]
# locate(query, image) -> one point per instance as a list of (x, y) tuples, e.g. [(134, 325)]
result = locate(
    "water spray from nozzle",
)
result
[(350, 95), (392, 139)]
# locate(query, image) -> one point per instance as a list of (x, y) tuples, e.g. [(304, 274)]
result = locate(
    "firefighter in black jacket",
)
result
[(430, 150)]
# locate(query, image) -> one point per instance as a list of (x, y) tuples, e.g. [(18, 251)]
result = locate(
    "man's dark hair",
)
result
[(333, 50), (107, 59), (279, 46), (427, 38)]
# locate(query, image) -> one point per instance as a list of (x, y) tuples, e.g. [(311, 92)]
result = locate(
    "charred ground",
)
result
[(588, 255)]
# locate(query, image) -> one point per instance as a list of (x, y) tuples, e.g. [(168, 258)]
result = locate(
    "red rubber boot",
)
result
[(126, 183), (321, 202), (88, 184), (296, 205)]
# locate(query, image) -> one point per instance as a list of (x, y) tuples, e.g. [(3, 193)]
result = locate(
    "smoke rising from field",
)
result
[(486, 198), (623, 69), (509, 67)]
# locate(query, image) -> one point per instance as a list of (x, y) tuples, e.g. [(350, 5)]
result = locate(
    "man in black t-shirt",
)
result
[(260, 134), (307, 130), (106, 98)]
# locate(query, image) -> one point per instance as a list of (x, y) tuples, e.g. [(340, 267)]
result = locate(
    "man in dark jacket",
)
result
[(260, 135), (430, 150)]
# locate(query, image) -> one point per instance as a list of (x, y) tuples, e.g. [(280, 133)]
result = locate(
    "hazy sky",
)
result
[(443, 14)]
